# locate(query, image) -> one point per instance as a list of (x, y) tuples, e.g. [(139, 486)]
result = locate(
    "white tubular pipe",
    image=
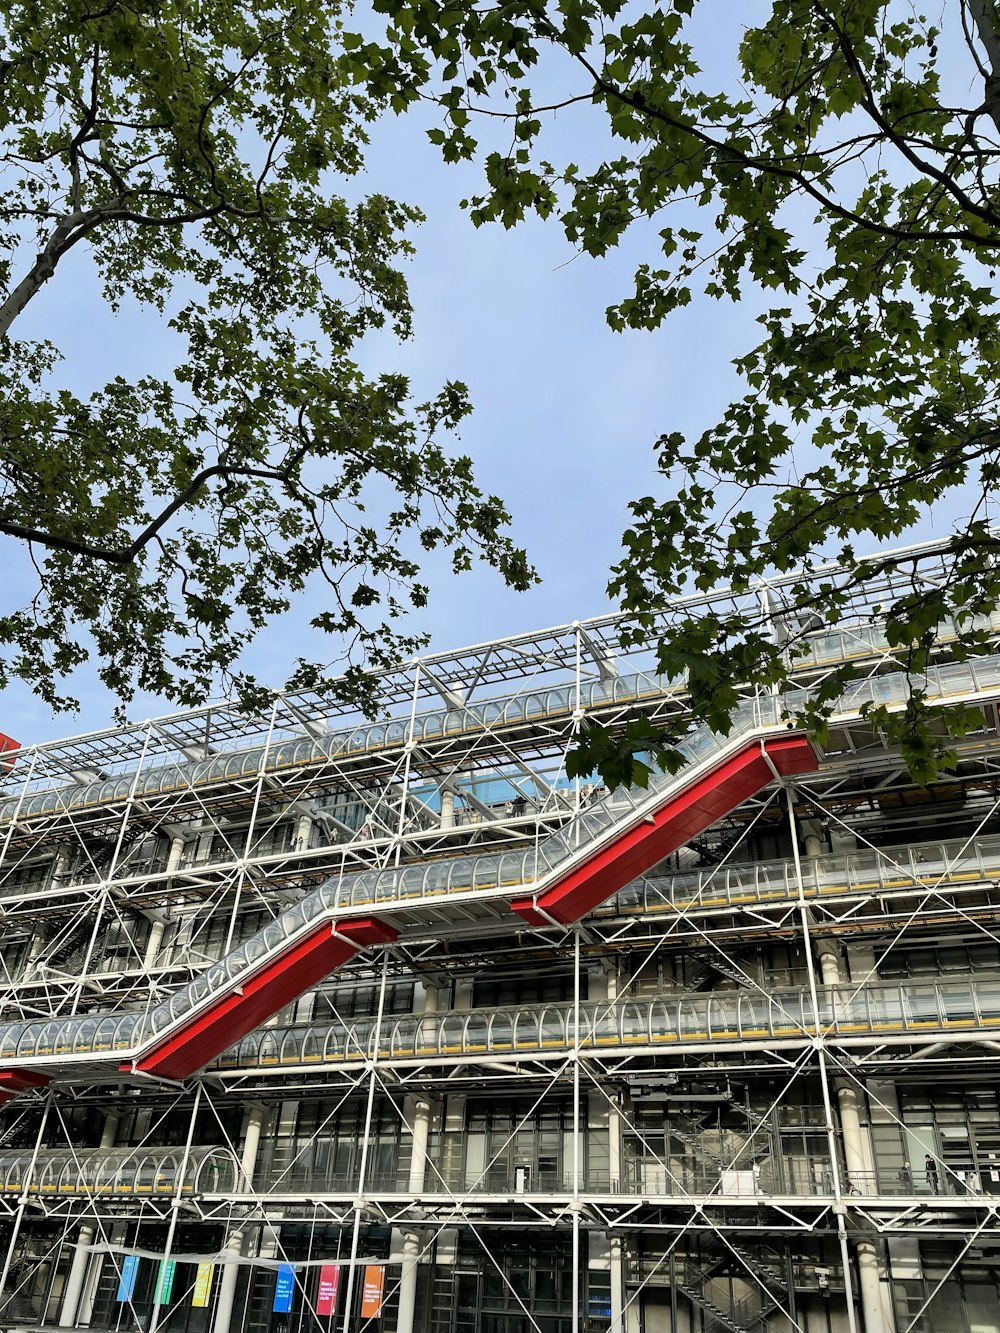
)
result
[(81, 1252), (871, 1292), (234, 1245)]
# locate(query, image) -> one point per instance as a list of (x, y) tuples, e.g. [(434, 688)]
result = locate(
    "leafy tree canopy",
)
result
[(190, 151), (844, 169)]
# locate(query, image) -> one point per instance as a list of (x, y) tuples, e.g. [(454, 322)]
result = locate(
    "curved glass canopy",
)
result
[(302, 752), (591, 828), (119, 1172), (742, 1016)]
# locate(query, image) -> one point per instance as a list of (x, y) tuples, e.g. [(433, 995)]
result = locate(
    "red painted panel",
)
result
[(791, 755), (687, 814), (6, 1097), (279, 981), (14, 1081), (8, 752), (366, 931)]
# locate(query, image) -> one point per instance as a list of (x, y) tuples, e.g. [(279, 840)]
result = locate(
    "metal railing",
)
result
[(553, 857), (746, 1016)]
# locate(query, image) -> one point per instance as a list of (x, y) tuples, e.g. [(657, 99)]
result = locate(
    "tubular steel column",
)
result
[(577, 1155), (153, 942), (404, 794), (447, 808), (363, 1165), (253, 1124), (175, 1206), (112, 867), (254, 811), (847, 1097), (421, 1117), (81, 1253), (408, 1282), (819, 1043), (608, 990), (871, 1287), (23, 1201)]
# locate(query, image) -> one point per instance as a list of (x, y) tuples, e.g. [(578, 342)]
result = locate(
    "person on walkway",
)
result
[(930, 1166), (520, 805), (906, 1178)]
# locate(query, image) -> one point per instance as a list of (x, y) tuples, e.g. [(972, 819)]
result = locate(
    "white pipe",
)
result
[(447, 808), (253, 1124), (153, 944), (408, 1282), (871, 1289), (81, 1252)]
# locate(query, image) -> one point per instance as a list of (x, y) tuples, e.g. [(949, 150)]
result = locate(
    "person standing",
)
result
[(930, 1167)]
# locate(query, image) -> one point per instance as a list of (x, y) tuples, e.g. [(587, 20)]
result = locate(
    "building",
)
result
[(311, 1022)]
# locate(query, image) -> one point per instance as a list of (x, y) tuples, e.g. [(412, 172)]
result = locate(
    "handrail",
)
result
[(884, 870), (881, 1010), (575, 844), (372, 737), (814, 652), (119, 1171)]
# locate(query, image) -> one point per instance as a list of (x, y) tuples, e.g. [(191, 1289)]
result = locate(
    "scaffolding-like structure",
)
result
[(310, 1022)]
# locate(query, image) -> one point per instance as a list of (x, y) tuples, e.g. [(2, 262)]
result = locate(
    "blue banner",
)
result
[(284, 1290), (127, 1284)]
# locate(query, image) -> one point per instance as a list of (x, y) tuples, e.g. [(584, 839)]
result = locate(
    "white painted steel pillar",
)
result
[(252, 1126), (829, 962), (850, 1128), (303, 833), (81, 1252), (153, 942), (408, 1282), (447, 808), (420, 1121), (175, 855), (856, 1159), (871, 1288)]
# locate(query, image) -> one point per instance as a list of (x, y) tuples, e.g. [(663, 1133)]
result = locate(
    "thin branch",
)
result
[(772, 168), (125, 555), (984, 15)]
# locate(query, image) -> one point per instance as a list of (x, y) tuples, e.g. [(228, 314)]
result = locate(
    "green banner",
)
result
[(165, 1284)]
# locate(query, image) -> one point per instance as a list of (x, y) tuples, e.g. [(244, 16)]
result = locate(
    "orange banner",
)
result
[(371, 1292)]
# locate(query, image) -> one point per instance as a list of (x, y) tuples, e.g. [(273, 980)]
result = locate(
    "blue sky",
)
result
[(566, 412)]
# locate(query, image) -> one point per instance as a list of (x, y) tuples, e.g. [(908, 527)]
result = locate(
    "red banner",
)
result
[(371, 1293), (329, 1286)]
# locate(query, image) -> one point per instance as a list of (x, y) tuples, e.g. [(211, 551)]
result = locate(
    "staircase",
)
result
[(11, 1131), (719, 1319), (715, 961), (696, 1143), (68, 953), (742, 1316), (768, 1274), (746, 1316), (754, 1118)]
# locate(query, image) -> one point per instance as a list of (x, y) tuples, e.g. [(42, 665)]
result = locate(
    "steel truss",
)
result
[(117, 886)]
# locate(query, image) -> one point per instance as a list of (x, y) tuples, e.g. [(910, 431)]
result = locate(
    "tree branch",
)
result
[(125, 555), (984, 15), (771, 168)]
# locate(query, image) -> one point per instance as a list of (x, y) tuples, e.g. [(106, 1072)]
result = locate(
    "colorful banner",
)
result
[(165, 1282), (284, 1290), (203, 1284), (127, 1284), (329, 1287), (371, 1292)]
